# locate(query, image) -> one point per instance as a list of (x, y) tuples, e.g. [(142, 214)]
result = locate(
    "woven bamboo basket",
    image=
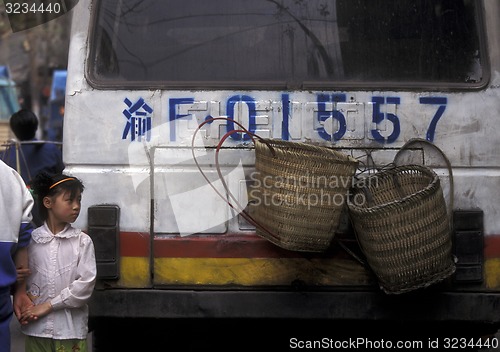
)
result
[(403, 228), (302, 191)]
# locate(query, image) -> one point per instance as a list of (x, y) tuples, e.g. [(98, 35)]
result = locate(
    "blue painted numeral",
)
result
[(379, 116), (252, 111), (442, 102), (324, 115)]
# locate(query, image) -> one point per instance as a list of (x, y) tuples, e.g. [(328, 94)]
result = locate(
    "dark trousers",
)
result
[(5, 317)]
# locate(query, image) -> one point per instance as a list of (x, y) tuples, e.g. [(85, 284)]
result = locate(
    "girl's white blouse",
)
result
[(63, 271)]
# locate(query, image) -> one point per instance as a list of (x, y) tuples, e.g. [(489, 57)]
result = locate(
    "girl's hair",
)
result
[(46, 185)]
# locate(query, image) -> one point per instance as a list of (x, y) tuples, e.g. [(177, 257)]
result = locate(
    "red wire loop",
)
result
[(240, 209)]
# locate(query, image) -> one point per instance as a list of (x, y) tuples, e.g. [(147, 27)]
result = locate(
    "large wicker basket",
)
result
[(300, 192), (403, 228)]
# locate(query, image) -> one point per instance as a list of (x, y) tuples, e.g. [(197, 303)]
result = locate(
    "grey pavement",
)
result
[(17, 337)]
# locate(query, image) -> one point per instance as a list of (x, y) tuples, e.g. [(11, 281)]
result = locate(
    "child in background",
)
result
[(31, 156), (63, 266), (34, 156)]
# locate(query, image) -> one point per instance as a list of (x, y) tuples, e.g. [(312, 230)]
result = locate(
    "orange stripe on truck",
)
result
[(136, 244)]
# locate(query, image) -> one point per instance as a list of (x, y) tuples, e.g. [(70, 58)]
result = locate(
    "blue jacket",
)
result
[(35, 156)]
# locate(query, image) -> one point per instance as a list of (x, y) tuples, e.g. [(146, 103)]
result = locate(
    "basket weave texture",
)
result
[(403, 227), (302, 191)]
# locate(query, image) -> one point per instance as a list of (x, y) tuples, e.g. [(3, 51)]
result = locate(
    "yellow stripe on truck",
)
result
[(134, 272), (258, 271), (492, 273)]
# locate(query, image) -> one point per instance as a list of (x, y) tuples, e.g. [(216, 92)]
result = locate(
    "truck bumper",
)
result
[(470, 307)]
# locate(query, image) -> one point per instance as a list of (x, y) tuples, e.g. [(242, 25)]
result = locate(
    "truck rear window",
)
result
[(286, 44)]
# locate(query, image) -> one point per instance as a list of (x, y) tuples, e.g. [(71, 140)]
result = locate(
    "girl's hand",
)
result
[(27, 316), (22, 303), (35, 312)]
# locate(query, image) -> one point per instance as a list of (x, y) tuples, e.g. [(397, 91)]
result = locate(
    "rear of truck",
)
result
[(144, 75)]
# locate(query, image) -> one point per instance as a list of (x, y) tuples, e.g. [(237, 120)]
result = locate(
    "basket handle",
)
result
[(397, 184), (236, 206), (448, 165), (367, 194)]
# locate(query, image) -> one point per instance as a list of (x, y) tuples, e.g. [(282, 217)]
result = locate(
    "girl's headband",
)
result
[(61, 181)]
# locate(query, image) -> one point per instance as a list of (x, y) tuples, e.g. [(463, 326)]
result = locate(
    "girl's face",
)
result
[(62, 207)]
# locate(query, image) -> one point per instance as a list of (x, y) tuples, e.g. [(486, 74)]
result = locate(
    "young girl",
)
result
[(62, 262)]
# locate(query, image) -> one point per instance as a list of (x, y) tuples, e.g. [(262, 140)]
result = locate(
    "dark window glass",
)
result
[(286, 43)]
